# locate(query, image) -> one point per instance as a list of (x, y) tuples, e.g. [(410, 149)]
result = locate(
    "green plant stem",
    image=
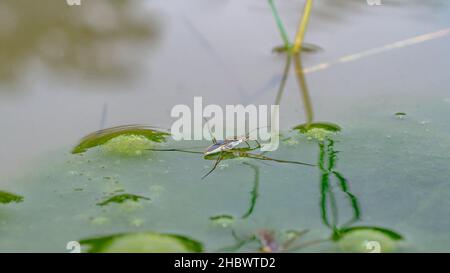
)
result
[(302, 26), (254, 193), (280, 25), (309, 112)]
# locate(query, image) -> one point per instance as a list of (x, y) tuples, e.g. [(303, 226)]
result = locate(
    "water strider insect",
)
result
[(228, 149), (228, 144)]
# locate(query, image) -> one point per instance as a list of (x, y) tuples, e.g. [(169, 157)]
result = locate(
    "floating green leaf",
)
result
[(142, 242), (368, 239), (6, 197), (390, 233), (127, 145), (103, 136), (318, 130), (327, 126), (120, 198)]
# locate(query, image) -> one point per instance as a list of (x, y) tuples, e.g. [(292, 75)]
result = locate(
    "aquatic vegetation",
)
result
[(318, 130), (327, 164), (131, 134), (306, 47), (226, 220), (142, 242), (6, 197), (223, 220), (132, 145), (121, 198), (326, 126), (281, 28), (255, 191), (349, 238), (368, 239), (388, 232), (303, 24), (400, 115)]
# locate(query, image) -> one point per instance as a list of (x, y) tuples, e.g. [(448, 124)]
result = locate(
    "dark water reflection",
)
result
[(94, 40)]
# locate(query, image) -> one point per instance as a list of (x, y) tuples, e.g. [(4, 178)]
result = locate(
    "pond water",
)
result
[(381, 75)]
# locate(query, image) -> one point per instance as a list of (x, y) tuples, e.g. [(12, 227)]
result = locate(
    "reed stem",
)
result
[(302, 26), (280, 25), (309, 112)]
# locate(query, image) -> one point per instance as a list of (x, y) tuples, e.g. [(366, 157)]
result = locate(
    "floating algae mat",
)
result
[(116, 202)]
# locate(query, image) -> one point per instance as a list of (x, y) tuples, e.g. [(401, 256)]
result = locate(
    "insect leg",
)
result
[(259, 145), (214, 167)]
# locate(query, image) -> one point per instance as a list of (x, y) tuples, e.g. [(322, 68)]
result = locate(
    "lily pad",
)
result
[(127, 145), (142, 242), (6, 198), (388, 232), (367, 239), (103, 136), (120, 198)]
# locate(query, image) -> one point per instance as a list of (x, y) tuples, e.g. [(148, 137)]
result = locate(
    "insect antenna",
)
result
[(210, 133)]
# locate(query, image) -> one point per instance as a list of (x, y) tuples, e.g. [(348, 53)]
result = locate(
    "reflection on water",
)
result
[(372, 187), (95, 39)]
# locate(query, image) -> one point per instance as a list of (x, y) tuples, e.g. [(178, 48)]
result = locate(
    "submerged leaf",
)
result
[(120, 198), (142, 242), (101, 137), (6, 197)]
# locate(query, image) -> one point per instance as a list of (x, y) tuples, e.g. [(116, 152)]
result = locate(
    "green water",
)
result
[(396, 167)]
